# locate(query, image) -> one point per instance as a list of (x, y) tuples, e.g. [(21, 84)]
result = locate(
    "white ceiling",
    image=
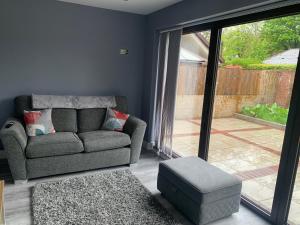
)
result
[(133, 6)]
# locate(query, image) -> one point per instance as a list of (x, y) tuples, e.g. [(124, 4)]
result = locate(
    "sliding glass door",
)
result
[(236, 105), (294, 214), (194, 51), (253, 90)]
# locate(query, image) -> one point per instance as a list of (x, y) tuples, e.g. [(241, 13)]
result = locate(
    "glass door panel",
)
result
[(294, 215), (254, 85), (190, 91)]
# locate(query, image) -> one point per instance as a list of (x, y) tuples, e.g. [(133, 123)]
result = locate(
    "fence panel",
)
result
[(236, 88)]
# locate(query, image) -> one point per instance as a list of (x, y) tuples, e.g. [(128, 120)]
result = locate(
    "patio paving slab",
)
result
[(248, 150), (273, 138), (184, 126), (232, 124)]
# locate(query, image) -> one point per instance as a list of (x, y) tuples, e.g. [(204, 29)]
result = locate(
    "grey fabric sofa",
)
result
[(77, 145)]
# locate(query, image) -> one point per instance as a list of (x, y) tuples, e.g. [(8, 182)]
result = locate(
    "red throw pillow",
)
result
[(38, 122), (114, 120)]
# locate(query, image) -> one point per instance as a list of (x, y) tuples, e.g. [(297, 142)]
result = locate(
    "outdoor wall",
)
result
[(53, 47), (236, 88)]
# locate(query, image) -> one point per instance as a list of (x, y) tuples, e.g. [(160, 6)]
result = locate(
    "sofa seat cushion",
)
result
[(104, 140), (60, 143)]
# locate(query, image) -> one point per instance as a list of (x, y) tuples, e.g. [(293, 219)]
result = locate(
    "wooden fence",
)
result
[(236, 88)]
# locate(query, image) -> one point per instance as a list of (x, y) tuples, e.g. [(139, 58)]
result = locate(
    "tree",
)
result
[(254, 42), (243, 41), (282, 33)]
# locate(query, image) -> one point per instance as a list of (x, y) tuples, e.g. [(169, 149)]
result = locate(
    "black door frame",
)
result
[(290, 153), (209, 91)]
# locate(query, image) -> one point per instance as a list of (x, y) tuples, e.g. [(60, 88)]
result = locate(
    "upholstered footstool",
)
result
[(202, 192)]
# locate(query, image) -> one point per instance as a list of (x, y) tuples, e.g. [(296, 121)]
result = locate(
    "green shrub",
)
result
[(243, 62), (269, 67), (272, 113), (253, 64)]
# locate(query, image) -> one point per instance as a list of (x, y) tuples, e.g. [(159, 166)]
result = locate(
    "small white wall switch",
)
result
[(123, 51)]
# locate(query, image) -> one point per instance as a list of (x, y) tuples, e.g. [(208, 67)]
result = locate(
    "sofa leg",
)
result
[(18, 182)]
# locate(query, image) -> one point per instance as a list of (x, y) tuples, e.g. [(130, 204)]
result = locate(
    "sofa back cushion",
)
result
[(93, 119), (72, 120), (90, 119), (64, 120)]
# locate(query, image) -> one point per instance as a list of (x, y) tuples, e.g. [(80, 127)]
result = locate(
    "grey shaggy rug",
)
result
[(107, 198)]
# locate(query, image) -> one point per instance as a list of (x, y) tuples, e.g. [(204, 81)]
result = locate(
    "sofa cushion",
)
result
[(114, 120), (64, 120), (62, 143), (104, 140), (84, 116), (39, 122), (90, 119)]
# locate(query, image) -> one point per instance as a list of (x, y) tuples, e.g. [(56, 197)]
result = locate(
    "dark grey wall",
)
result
[(178, 14), (52, 47)]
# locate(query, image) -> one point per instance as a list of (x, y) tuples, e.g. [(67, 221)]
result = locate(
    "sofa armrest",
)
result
[(135, 128), (14, 139)]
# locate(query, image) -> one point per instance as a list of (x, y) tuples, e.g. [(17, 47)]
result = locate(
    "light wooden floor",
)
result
[(18, 197)]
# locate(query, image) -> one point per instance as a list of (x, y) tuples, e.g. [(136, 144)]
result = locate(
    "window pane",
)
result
[(190, 90), (254, 86), (294, 216)]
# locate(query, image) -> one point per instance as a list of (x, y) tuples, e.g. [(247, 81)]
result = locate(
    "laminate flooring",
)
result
[(18, 197)]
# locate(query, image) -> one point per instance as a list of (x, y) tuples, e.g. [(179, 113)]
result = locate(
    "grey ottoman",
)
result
[(202, 192)]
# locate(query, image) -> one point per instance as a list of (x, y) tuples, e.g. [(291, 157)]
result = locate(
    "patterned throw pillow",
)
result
[(114, 120), (38, 122)]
